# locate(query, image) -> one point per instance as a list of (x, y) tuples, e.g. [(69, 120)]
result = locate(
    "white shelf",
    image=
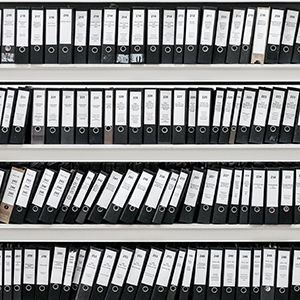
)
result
[(147, 1), (150, 233), (148, 73), (150, 153)]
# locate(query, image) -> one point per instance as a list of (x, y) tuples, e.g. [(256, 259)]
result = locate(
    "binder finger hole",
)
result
[(257, 209), (286, 209), (271, 210), (28, 288), (115, 288), (298, 49), (178, 128), (50, 209), (100, 209), (79, 49), (244, 209), (199, 289), (17, 288), (272, 128), (228, 290), (7, 48), (202, 129), (173, 288), (18, 129), (51, 50), (153, 48), (297, 288), (19, 208), (243, 129), (161, 209), (214, 290), (37, 48), (64, 208), (116, 208), (185, 289), (131, 208), (85, 209), (225, 129), (234, 209), (96, 130), (287, 128), (22, 49), (66, 288), (256, 290), (258, 128), (221, 209), (35, 209), (123, 49), (108, 49), (267, 288), (67, 129), (7, 288), (160, 289), (190, 48), (82, 130), (220, 49), (171, 210), (108, 128), (145, 289), (37, 128), (148, 209), (164, 130), (52, 130), (74, 287), (42, 288), (215, 129), (168, 49), (74, 208), (205, 207), (273, 48), (191, 129), (85, 288), (282, 290), (286, 49), (4, 129), (94, 50), (245, 48), (130, 289), (135, 130), (100, 289), (149, 130), (137, 48), (243, 290), (65, 49), (178, 49), (188, 208), (298, 208), (233, 128), (234, 48), (205, 48)]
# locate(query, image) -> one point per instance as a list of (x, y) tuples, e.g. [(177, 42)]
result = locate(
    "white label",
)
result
[(237, 26), (298, 36), (189, 268), (261, 30), (95, 190), (272, 188), (236, 113), (73, 188), (109, 26), (275, 26), (91, 267), (26, 188), (53, 108), (82, 106), (258, 188), (153, 27), (191, 31), (42, 277), (80, 28), (8, 267), (165, 108), (8, 108), (58, 264), (79, 266), (106, 267), (224, 186), (110, 189), (268, 267), (201, 267), (122, 267), (289, 31), (228, 108), (193, 188), (29, 266), (123, 27), (136, 267), (256, 268), (70, 266), (192, 108), (208, 24), (178, 268), (247, 108), (215, 267), (169, 190), (12, 186), (248, 26), (21, 108), (37, 27), (276, 107), (96, 109), (296, 268), (230, 257), (8, 29), (51, 26), (151, 267), (204, 102), (67, 108), (65, 26), (17, 266), (2, 97), (150, 107), (42, 190), (246, 187), (183, 177), (179, 110), (58, 188), (157, 188), (283, 269), (209, 187), (262, 107), (218, 107), (1, 267), (297, 189), (222, 28), (236, 188), (95, 27), (138, 23), (244, 268), (287, 188), (166, 268), (108, 114), (135, 112), (84, 189), (290, 108), (169, 27), (38, 108), (22, 30), (2, 173), (180, 26)]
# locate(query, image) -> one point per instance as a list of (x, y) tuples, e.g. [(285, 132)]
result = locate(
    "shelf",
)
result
[(148, 73), (150, 233), (147, 1)]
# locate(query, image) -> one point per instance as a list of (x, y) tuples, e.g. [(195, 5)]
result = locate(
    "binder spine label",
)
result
[(247, 108), (262, 106), (258, 188), (95, 190), (53, 108), (192, 109), (222, 28), (122, 267), (296, 268), (22, 29), (65, 28), (79, 266), (84, 189), (290, 27), (189, 267), (273, 188), (180, 26), (70, 267), (138, 20), (29, 266), (237, 27), (38, 108), (17, 266), (201, 269), (82, 118), (73, 189), (21, 108), (256, 273), (209, 187), (2, 97), (95, 27), (96, 109), (218, 108), (135, 114), (193, 188), (246, 187), (215, 267), (165, 108), (58, 265), (8, 34), (153, 27), (179, 108), (136, 267), (178, 268), (275, 26), (237, 106), (297, 189), (80, 28), (287, 188), (109, 26), (169, 27), (230, 261), (37, 27), (228, 107), (150, 107), (290, 108), (191, 32), (268, 267), (204, 108), (51, 27), (68, 109), (7, 114), (208, 24), (236, 188), (169, 190), (244, 268), (248, 26), (283, 269), (106, 267), (224, 186), (42, 277), (91, 267), (276, 108), (179, 189), (108, 114), (8, 262), (166, 268)]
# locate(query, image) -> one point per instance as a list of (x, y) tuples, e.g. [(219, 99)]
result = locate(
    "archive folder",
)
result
[(67, 134), (295, 279), (217, 114), (65, 51), (256, 273), (235, 116), (38, 119), (168, 36), (22, 36), (51, 36), (234, 206), (267, 289), (108, 117), (287, 196), (96, 117), (95, 36), (165, 117), (80, 36), (28, 287), (229, 274), (297, 194), (8, 36), (123, 37), (191, 116), (37, 36), (135, 117), (42, 274), (8, 274), (179, 35), (17, 271), (53, 107), (150, 117), (179, 117), (82, 105), (244, 274), (245, 197)]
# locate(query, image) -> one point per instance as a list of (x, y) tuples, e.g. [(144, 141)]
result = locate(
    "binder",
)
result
[(179, 117), (67, 135), (8, 273), (168, 36), (191, 117), (38, 116), (275, 116), (109, 36), (2, 103), (208, 196), (150, 116), (115, 287), (22, 36), (135, 134), (1, 276), (4, 173), (86, 283), (235, 36), (153, 49), (17, 271), (53, 116), (96, 117), (95, 36), (42, 274), (29, 267), (222, 196), (296, 52), (287, 130), (123, 41), (235, 116), (98, 211), (165, 117), (10, 194), (272, 197), (21, 116), (260, 35), (204, 111), (51, 36), (65, 51), (288, 36), (295, 279), (256, 273), (191, 35), (82, 117), (8, 36), (245, 196), (40, 196), (217, 113), (221, 40), (246, 116), (227, 116), (297, 194), (258, 126), (267, 289), (275, 32), (229, 274), (80, 36), (108, 117), (286, 196), (248, 32), (37, 36), (179, 35), (137, 47), (256, 215), (207, 35)]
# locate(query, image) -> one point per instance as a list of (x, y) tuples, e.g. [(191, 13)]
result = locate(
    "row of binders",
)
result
[(155, 273), (149, 115), (151, 35), (212, 194)]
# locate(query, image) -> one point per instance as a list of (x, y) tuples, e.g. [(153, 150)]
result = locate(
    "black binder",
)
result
[(80, 36), (38, 124), (150, 116), (192, 116), (17, 271), (295, 284), (297, 191), (245, 196), (165, 117), (51, 35), (82, 114), (168, 36), (235, 116), (28, 286), (96, 116), (67, 130), (287, 195), (179, 35), (135, 117), (37, 36), (95, 36), (179, 117), (296, 52), (256, 271)]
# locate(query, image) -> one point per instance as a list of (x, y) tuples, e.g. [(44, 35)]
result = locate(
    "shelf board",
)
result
[(150, 233), (150, 153), (147, 1), (115, 73)]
